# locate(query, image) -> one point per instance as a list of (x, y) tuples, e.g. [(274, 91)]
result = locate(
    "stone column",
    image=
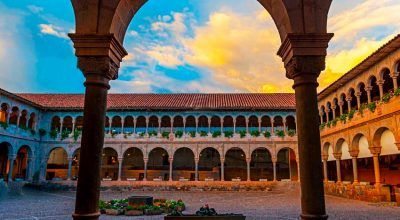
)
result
[(274, 160), (73, 125), (247, 125), (29, 168), (172, 125), (248, 160), (147, 125), (368, 89), (171, 160), (348, 100), (70, 159), (196, 119), (327, 114), (259, 124), (304, 59), (375, 154), (298, 168), (109, 125), (321, 117), (358, 96), (99, 56), (19, 118), (338, 156), (394, 77), (334, 112), (284, 127), (159, 127), (354, 155), (209, 125), (325, 165), (222, 125), (11, 158), (120, 159), (234, 125), (134, 125), (145, 169), (222, 168), (272, 127), (196, 174), (341, 107), (380, 84), (122, 125)]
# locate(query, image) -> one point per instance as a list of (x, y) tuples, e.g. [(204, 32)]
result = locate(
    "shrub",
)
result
[(386, 98), (23, 127), (322, 126), (64, 134), (280, 133), (42, 132), (267, 134), (291, 132), (76, 134), (152, 133), (255, 133), (351, 114), (203, 134), (228, 134), (141, 134), (4, 125), (33, 132), (178, 134), (372, 106), (216, 134), (53, 133), (343, 118), (242, 134), (165, 134), (192, 134), (328, 124), (397, 92), (334, 121)]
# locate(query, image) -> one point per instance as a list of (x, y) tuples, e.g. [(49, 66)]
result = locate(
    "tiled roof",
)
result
[(367, 63), (225, 101)]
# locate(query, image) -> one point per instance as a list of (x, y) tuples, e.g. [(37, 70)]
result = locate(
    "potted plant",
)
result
[(204, 212), (64, 134), (178, 134), (216, 134), (33, 132), (242, 134), (372, 106), (267, 134), (153, 210), (203, 134), (228, 134), (343, 118), (280, 133), (255, 133), (42, 132), (53, 133), (165, 134), (192, 134), (386, 98), (4, 125), (291, 132), (76, 134), (133, 211)]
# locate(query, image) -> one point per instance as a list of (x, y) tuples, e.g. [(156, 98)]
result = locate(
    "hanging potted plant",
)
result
[(204, 212)]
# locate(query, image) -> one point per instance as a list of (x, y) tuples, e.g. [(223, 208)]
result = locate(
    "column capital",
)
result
[(98, 54), (70, 158), (354, 153), (120, 159), (146, 160), (274, 159), (337, 156), (348, 99), (380, 82), (368, 88), (12, 156), (324, 157), (222, 159), (375, 151), (248, 160), (358, 94)]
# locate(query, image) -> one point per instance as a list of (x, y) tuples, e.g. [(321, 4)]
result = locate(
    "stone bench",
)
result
[(107, 179), (208, 179), (157, 179), (286, 180), (183, 179), (236, 180), (263, 180), (131, 179)]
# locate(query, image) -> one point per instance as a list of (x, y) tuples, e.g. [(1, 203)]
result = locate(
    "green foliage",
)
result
[(255, 133), (141, 134), (267, 134), (280, 133), (53, 133), (4, 125), (343, 118), (228, 134), (65, 134), (242, 134), (178, 134), (165, 134), (206, 211), (113, 133), (351, 114), (23, 127), (386, 98), (192, 134), (322, 126), (33, 132), (116, 204), (372, 106), (203, 134), (42, 132), (152, 133), (397, 92), (216, 134), (328, 124), (76, 134), (335, 121), (291, 132)]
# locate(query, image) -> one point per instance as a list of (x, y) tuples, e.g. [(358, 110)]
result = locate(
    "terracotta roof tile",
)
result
[(224, 101)]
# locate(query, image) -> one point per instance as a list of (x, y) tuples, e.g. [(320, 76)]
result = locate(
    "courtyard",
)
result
[(280, 203)]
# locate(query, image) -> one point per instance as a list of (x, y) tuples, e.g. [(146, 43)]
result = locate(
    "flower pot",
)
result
[(153, 212), (114, 212), (133, 212)]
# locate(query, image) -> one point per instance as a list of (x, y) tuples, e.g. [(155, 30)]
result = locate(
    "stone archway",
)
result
[(22, 163), (133, 164), (100, 30), (183, 165), (57, 164), (235, 164), (261, 167), (209, 164), (5, 150), (158, 164)]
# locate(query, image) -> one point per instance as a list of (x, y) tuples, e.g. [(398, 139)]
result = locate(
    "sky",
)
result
[(183, 46)]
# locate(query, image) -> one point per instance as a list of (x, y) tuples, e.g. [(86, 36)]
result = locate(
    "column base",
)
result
[(307, 216), (89, 216)]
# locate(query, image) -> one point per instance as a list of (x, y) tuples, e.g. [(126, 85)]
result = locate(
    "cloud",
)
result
[(35, 9), (17, 58), (49, 29)]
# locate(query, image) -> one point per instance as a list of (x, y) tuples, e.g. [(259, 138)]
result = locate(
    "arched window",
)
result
[(128, 124), (353, 102), (79, 123), (55, 123), (178, 123), (375, 96), (388, 86), (345, 107), (23, 119), (141, 124), (266, 123), (330, 111), (253, 123), (4, 112), (291, 124), (336, 107), (67, 124), (203, 123), (14, 116), (165, 123), (32, 121), (190, 124), (363, 93), (228, 123), (323, 113), (116, 124), (153, 124), (215, 123)]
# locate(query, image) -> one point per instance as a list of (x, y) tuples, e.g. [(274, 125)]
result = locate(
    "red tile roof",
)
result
[(231, 101)]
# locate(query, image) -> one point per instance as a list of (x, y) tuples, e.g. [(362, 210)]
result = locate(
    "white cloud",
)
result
[(49, 29), (35, 9)]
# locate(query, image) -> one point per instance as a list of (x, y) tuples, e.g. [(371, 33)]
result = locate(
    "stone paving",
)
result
[(276, 204)]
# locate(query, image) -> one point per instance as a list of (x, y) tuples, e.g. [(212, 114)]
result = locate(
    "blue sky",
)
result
[(182, 45)]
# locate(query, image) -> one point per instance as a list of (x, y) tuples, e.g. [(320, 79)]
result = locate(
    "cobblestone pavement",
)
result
[(256, 205)]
